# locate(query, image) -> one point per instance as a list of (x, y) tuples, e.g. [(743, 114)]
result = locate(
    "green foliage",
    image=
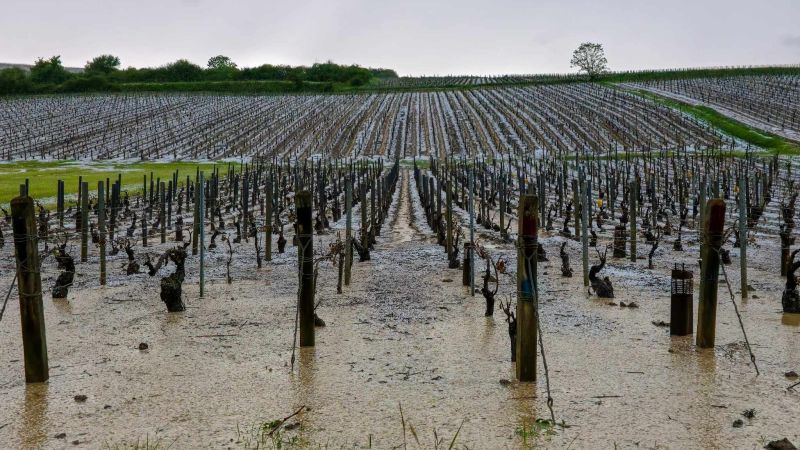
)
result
[(102, 65), (44, 175), (533, 433), (15, 81), (221, 62), (762, 139), (49, 71), (83, 84), (182, 70)]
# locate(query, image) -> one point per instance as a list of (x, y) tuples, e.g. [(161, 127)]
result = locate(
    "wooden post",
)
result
[(576, 208), (197, 217), (364, 223), (201, 231), (634, 192), (268, 222), (305, 255), (84, 221), (162, 213), (60, 203), (527, 303), (101, 225), (585, 204), (34, 339), (714, 223), (449, 213), (348, 242), (743, 235)]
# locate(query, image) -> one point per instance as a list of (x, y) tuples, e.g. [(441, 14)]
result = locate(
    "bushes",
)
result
[(15, 81)]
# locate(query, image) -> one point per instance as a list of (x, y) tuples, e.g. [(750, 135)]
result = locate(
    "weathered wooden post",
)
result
[(31, 310), (714, 222), (202, 231), (162, 213), (472, 226), (268, 222), (101, 225), (364, 220), (527, 303), (197, 218), (348, 239), (305, 255), (634, 193), (585, 202), (449, 213), (743, 235), (576, 210), (85, 221), (60, 203), (681, 321)]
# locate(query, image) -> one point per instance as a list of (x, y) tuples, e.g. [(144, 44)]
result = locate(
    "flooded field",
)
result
[(406, 359)]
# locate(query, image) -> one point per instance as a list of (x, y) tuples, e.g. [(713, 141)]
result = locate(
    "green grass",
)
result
[(43, 176), (773, 143)]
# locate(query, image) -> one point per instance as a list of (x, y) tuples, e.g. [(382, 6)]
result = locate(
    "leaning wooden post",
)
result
[(714, 222), (84, 221), (348, 240), (526, 288), (201, 231), (743, 235), (101, 225), (305, 255), (31, 310)]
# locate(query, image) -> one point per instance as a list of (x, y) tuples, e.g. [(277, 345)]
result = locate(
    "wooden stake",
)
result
[(714, 223), (305, 252), (34, 339), (526, 287)]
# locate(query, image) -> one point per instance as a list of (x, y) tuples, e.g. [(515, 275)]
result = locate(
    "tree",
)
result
[(590, 58), (221, 62), (14, 81), (49, 71), (102, 65), (182, 70)]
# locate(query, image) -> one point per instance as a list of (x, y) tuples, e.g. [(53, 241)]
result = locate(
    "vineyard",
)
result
[(766, 102), (561, 119), (569, 265)]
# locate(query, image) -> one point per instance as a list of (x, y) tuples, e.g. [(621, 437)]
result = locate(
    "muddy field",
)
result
[(406, 358)]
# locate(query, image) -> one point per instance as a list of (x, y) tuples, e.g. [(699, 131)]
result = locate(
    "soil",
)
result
[(399, 336)]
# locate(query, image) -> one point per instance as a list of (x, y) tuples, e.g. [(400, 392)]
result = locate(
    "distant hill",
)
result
[(27, 67)]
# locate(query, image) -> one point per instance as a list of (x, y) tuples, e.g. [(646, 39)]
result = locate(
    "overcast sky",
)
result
[(414, 37)]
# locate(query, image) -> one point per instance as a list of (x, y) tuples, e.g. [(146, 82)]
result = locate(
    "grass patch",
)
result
[(773, 143), (43, 176)]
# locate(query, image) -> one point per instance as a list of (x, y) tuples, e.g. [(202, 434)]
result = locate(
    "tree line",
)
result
[(103, 73)]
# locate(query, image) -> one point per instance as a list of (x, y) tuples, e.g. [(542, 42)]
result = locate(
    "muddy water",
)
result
[(401, 334)]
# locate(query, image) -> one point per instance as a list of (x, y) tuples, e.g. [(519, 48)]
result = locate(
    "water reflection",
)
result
[(32, 430)]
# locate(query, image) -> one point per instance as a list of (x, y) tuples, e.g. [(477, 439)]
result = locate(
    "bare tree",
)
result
[(590, 58)]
